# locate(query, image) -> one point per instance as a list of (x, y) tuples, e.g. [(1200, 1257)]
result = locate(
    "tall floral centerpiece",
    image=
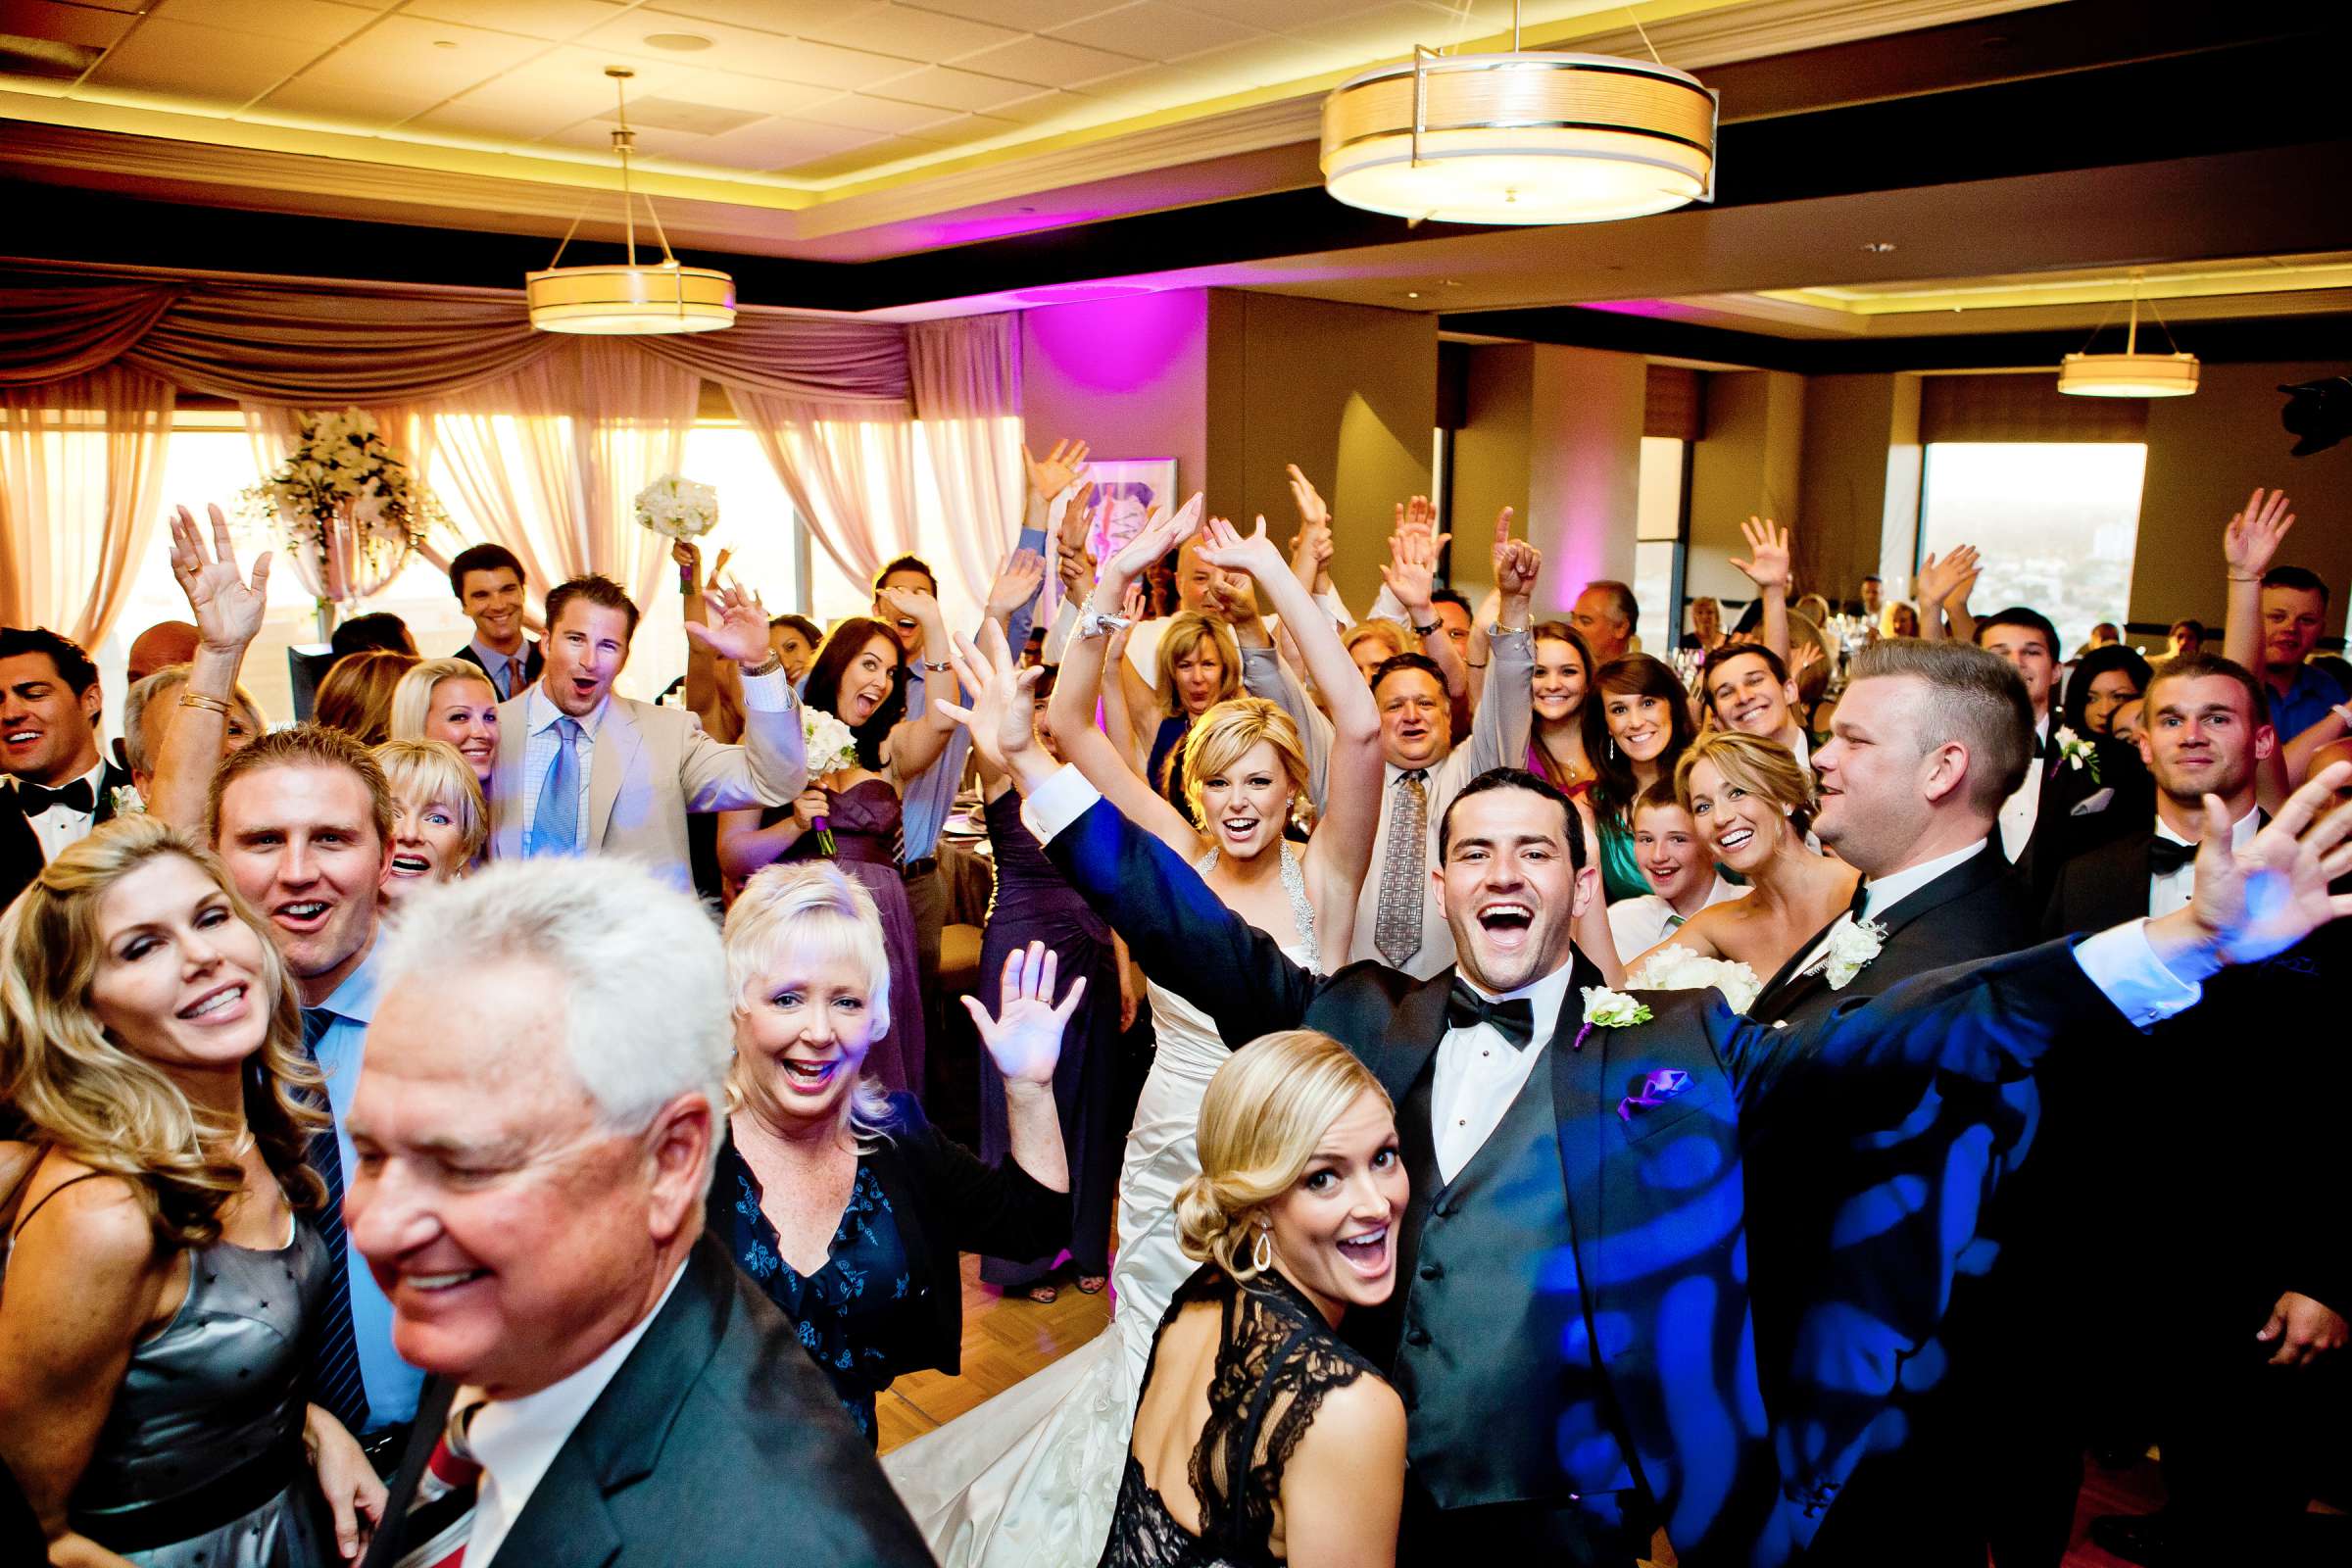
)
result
[(349, 508)]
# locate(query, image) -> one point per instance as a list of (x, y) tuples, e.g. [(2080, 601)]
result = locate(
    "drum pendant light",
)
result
[(2130, 373)]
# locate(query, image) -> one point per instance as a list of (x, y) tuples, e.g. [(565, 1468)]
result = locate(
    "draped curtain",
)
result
[(965, 378), (849, 468), (81, 480)]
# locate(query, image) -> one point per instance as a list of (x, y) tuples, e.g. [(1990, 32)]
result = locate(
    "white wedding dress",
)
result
[(1029, 1479)]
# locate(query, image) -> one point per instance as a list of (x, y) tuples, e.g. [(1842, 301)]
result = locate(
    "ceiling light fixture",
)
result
[(1532, 136), (623, 297), (2130, 373)]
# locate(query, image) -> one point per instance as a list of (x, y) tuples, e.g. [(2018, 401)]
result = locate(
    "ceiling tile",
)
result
[(402, 50), (857, 160), (1030, 16), (325, 102), (205, 64), (596, 135), (1294, 15), (1048, 62), (1155, 30), (766, 15), (896, 29), (951, 88), (80, 24), (1041, 106), (760, 94), (555, 20), (543, 95), (776, 143), (316, 22), (751, 53), (855, 112)]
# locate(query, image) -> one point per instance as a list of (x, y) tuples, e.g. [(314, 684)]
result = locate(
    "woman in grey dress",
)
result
[(159, 1279)]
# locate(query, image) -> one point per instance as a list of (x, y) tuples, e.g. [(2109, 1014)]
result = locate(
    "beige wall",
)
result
[(1748, 463), (1348, 392), (2205, 453), (1860, 488)]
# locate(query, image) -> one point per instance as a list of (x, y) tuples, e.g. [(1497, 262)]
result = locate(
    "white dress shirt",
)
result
[(1640, 924), (2022, 809), (58, 828), (516, 1440), (2169, 892), (1479, 1074)]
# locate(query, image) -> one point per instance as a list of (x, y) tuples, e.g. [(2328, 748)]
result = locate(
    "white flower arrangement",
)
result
[(347, 502), (826, 740), (2075, 751), (677, 508), (1613, 1009), (124, 799), (1853, 943), (1679, 968)]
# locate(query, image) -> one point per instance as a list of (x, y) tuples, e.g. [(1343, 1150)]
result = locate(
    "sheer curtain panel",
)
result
[(82, 480), (966, 375)]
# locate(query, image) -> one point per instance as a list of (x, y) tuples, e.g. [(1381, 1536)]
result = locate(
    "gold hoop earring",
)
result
[(1261, 1254)]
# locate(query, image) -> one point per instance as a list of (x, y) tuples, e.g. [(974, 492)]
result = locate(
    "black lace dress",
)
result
[(1277, 1359)]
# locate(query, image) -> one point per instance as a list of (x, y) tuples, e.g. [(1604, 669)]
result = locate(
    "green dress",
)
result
[(1620, 871)]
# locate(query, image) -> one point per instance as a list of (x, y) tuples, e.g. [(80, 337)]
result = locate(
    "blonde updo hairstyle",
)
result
[(1224, 735), (812, 911), (1266, 1110), (77, 1089), (424, 772), (1764, 769), (1187, 630)]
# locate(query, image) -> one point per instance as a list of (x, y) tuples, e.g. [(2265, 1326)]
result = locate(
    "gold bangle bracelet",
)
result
[(210, 705)]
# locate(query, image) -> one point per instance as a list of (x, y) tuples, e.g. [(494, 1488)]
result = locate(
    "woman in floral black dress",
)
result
[(840, 1201)]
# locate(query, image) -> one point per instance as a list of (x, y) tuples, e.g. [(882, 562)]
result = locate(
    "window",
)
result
[(1658, 540), (210, 459), (2056, 521)]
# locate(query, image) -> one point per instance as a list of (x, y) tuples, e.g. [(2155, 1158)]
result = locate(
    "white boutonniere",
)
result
[(1609, 1009), (1852, 945), (126, 801), (2076, 751)]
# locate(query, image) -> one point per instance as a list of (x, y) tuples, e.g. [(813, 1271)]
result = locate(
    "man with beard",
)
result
[(2232, 1360), (1570, 1332)]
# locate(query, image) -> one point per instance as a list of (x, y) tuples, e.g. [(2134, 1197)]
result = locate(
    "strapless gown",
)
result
[(866, 839), (1031, 1477)]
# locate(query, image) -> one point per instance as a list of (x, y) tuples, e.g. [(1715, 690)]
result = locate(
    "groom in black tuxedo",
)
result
[(1571, 1333), (2233, 1362), (60, 787)]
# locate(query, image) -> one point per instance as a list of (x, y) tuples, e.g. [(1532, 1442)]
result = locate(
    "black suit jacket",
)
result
[(716, 1442), (534, 662), (21, 856), (2082, 809), (2169, 1165), (1655, 1198)]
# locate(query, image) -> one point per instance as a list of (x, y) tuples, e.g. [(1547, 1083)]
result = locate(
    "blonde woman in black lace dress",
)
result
[(1260, 1437)]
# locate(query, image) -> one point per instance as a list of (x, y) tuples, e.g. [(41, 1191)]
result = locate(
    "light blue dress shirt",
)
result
[(539, 754), (505, 674), (392, 1384)]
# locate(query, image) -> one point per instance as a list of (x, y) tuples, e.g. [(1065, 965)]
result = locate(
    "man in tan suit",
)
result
[(582, 771)]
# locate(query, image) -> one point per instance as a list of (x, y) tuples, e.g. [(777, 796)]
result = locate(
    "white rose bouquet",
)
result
[(829, 746), (1679, 968), (677, 508)]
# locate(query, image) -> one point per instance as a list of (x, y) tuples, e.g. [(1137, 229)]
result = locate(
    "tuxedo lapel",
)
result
[(1419, 1029), (1977, 872), (1579, 1076), (567, 1521), (1787, 972)]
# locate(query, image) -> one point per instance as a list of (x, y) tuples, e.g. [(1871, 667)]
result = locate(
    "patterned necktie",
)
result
[(1397, 918), (556, 829), (440, 1518), (335, 1351)]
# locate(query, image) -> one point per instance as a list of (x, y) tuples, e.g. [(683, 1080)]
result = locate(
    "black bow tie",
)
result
[(1514, 1020), (2167, 855), (75, 796)]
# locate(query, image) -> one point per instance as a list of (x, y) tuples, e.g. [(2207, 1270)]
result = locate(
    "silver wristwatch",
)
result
[(1094, 623)]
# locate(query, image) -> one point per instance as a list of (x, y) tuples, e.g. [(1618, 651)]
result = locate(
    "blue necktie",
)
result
[(556, 829), (335, 1381)]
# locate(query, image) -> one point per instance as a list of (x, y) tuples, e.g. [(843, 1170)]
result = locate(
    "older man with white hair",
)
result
[(534, 1129)]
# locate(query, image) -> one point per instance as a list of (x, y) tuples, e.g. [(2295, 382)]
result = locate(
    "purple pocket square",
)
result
[(1655, 1089)]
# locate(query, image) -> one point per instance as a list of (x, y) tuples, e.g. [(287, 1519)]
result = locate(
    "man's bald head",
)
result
[(166, 643)]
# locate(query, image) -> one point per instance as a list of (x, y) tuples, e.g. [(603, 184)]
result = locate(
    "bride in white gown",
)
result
[(1030, 1477)]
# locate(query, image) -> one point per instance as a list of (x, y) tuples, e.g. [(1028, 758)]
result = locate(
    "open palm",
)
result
[(1025, 1037), (2271, 895), (738, 625), (228, 609)]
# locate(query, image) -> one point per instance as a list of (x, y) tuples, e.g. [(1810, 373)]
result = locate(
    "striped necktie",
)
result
[(440, 1520), (335, 1381)]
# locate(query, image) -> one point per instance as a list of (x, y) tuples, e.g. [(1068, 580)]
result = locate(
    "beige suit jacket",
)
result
[(650, 766)]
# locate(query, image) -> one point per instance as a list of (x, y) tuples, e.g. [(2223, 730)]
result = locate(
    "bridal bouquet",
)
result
[(829, 746), (347, 503), (1679, 968), (677, 508)]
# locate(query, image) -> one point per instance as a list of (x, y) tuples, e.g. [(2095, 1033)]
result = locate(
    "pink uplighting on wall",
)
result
[(1121, 344)]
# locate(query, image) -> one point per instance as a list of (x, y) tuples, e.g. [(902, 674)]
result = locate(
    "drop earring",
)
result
[(1261, 1254)]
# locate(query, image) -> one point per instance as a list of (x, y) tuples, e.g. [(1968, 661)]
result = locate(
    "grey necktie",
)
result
[(556, 828), (1397, 918)]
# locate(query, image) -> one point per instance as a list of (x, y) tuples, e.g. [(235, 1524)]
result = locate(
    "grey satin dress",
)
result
[(200, 1463)]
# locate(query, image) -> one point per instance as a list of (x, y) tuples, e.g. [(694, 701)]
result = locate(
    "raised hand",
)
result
[(1078, 516), (1025, 1037), (2268, 896), (1154, 540), (229, 609), (2307, 1330), (1018, 577), (738, 625), (1058, 469), (1412, 571), (1131, 610), (1312, 511), (916, 605), (1806, 656), (1001, 714), (1077, 569), (1226, 546), (1416, 515), (1517, 564), (2251, 540), (1939, 580), (1767, 563)]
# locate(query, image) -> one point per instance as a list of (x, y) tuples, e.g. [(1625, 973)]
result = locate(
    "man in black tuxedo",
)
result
[(488, 582), (59, 785), (536, 1125), (2079, 791), (2233, 1360), (1571, 1337)]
